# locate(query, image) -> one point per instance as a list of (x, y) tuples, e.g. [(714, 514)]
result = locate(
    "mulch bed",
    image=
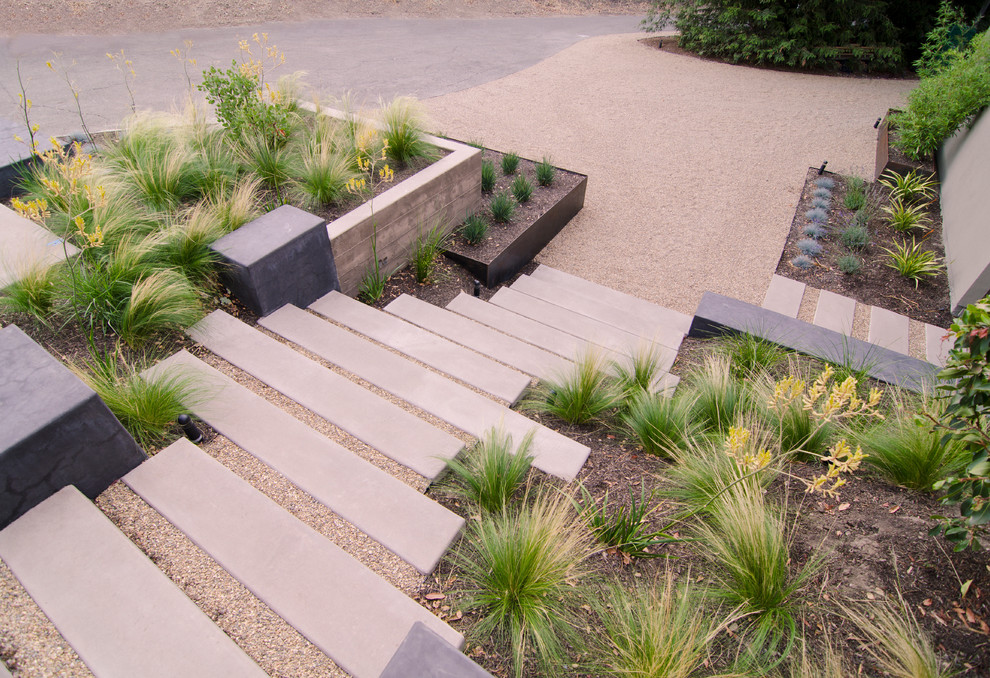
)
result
[(876, 283)]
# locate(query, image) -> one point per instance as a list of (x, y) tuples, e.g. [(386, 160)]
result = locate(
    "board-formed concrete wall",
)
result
[(964, 170)]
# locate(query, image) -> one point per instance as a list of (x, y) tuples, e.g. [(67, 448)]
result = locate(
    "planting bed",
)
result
[(875, 283), (509, 246)]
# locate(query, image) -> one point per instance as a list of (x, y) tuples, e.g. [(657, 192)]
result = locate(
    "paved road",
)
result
[(367, 57)]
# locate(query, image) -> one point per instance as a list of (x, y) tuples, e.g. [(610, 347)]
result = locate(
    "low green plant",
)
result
[(862, 216), (855, 194), (185, 246), (521, 571), (640, 370), (487, 176), (660, 425), (967, 393), (147, 406), (817, 214), (161, 301), (718, 397), (944, 102), (489, 474), (822, 193), (914, 263), (749, 354), (583, 395), (904, 216), (854, 237), (403, 122), (814, 230), (660, 630), (474, 229), (545, 172), (522, 188), (502, 207), (825, 182), (321, 175), (625, 528), (510, 163), (907, 450), (849, 264), (909, 188), (802, 262), (272, 162), (427, 250), (34, 291)]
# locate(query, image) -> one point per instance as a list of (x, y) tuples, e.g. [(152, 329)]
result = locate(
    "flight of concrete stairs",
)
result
[(368, 373)]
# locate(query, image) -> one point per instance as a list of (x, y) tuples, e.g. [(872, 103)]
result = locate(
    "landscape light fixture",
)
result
[(821, 170), (477, 288), (190, 429), (877, 123)]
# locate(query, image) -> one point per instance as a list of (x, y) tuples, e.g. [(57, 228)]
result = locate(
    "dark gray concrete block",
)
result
[(54, 430), (283, 257), (424, 654), (718, 315)]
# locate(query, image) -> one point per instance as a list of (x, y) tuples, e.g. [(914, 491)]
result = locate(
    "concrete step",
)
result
[(118, 611), (441, 354), (432, 392), (602, 309), (342, 607), (521, 327), (835, 312), (784, 295), (24, 244), (583, 327), (388, 428), (506, 349), (889, 329), (414, 527), (936, 346), (633, 306)]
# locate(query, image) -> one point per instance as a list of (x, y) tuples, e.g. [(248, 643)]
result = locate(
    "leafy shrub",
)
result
[(403, 121), (660, 425), (583, 395), (802, 262), (850, 264), (487, 176), (943, 42), (854, 237), (522, 188), (816, 214), (545, 172), (474, 229), (946, 101), (904, 216), (814, 230), (519, 570), (910, 187), (489, 474), (624, 528), (855, 199), (502, 207), (510, 162), (914, 263), (809, 247)]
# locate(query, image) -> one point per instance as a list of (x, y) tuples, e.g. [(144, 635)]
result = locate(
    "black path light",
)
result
[(190, 429), (821, 170), (477, 288)]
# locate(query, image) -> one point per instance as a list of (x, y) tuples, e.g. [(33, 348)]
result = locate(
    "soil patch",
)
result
[(875, 283)]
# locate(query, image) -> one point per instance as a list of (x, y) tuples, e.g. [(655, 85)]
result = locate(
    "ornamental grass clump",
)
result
[(913, 262), (821, 203), (510, 162), (849, 264), (545, 172), (718, 398), (427, 250), (474, 229), (403, 120), (522, 572), (802, 262), (909, 188), (825, 182), (814, 230), (322, 174), (522, 189), (854, 237), (489, 474), (640, 370), (487, 176), (502, 207), (660, 425), (822, 193), (816, 214), (809, 247), (625, 527), (34, 291), (750, 355), (903, 216), (583, 395), (164, 300)]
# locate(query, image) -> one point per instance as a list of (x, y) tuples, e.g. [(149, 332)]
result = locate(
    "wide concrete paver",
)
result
[(835, 312), (937, 346), (24, 245), (118, 611), (454, 403), (350, 613), (408, 523), (784, 295), (388, 428), (889, 329)]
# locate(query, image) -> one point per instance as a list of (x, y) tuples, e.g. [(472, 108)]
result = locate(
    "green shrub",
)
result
[(510, 162), (944, 41), (850, 264), (545, 172), (233, 93), (522, 189), (944, 102), (502, 207), (914, 263), (489, 474), (909, 188), (474, 229), (660, 425), (487, 176), (583, 395), (855, 237), (625, 528), (521, 571), (147, 406)]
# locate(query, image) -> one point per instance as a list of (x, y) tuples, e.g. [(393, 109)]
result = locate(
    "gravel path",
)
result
[(695, 167)]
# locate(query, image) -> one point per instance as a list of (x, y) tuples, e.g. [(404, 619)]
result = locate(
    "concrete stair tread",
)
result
[(936, 349), (116, 609), (24, 243), (784, 295), (457, 361), (411, 525), (526, 329), (388, 428), (835, 312), (889, 329), (523, 356), (583, 327), (599, 307), (342, 607), (432, 392), (630, 304)]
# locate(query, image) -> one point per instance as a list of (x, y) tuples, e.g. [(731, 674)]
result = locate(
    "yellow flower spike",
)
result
[(35, 127), (49, 64), (836, 485), (763, 459), (17, 138), (815, 484)]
